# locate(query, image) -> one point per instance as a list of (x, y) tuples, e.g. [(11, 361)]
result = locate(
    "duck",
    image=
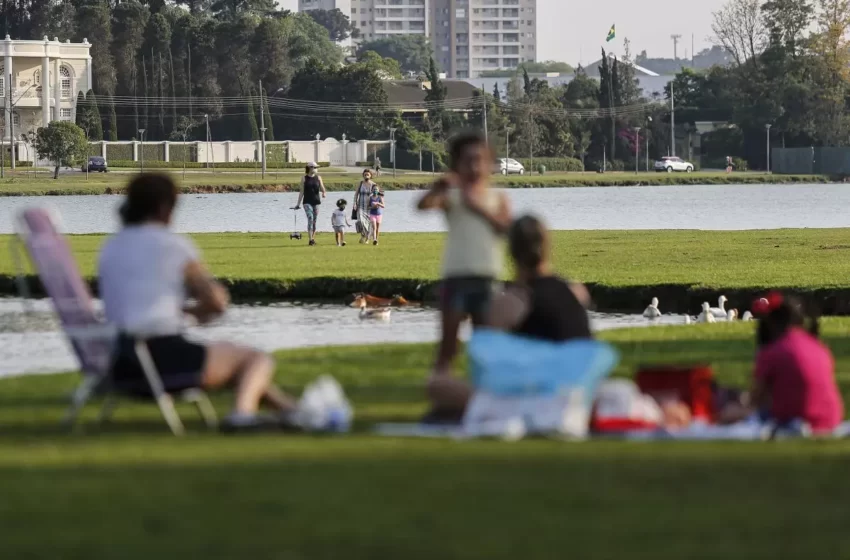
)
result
[(747, 316), (706, 316), (380, 314), (370, 301), (720, 312), (652, 311)]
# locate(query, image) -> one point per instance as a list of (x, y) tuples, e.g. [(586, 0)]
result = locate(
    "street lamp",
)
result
[(648, 123), (142, 147), (767, 155), (392, 147), (637, 147)]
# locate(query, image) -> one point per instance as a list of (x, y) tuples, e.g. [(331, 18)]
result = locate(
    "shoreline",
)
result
[(676, 298), (76, 187)]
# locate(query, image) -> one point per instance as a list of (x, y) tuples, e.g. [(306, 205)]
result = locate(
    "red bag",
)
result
[(692, 385)]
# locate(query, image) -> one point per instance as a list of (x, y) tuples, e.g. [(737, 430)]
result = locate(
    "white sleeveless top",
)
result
[(473, 248)]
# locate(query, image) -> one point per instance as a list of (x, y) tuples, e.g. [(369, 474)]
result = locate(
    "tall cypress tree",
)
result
[(252, 131), (113, 122), (92, 113), (497, 95)]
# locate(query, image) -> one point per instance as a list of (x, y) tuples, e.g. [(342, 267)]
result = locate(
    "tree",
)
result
[(739, 28), (61, 142), (88, 116), (387, 68), (268, 116), (412, 52), (337, 23)]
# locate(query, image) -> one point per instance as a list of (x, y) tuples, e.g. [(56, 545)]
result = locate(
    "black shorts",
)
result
[(470, 295), (180, 364)]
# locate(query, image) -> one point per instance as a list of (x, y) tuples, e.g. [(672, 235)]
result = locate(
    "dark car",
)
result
[(95, 163)]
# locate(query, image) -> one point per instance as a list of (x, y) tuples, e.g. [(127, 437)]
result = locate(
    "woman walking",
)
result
[(363, 205), (311, 187)]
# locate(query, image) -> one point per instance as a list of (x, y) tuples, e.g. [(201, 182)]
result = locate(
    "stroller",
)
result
[(295, 233)]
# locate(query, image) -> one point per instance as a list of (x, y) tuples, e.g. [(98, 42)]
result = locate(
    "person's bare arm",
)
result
[(582, 295), (509, 309), (500, 220), (300, 195), (322, 186), (211, 298), (435, 198)]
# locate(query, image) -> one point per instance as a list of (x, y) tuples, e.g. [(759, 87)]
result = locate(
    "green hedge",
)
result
[(179, 152), (153, 152), (119, 152), (552, 164), (202, 165)]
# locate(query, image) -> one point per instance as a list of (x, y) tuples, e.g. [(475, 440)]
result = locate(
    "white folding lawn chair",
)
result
[(91, 338)]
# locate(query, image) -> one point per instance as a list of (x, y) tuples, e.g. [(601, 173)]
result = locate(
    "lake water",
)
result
[(31, 340), (721, 207)]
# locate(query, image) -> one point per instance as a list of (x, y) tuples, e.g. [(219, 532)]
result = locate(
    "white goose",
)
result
[(748, 316), (720, 312), (379, 314), (652, 311), (688, 320), (732, 315), (706, 316)]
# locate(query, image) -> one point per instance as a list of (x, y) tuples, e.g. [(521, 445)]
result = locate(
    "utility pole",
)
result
[(209, 141), (648, 121), (675, 45), (508, 131), (637, 147), (263, 128), (672, 123), (486, 132)]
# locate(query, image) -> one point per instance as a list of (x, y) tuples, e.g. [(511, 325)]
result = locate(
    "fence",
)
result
[(804, 161), (338, 152)]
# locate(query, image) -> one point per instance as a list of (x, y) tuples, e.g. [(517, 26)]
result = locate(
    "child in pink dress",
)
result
[(794, 376)]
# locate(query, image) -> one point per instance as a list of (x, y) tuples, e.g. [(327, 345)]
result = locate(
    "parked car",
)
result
[(95, 163), (506, 166), (671, 164)]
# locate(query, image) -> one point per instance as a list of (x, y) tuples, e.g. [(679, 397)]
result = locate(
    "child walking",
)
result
[(339, 221), (478, 217), (376, 211)]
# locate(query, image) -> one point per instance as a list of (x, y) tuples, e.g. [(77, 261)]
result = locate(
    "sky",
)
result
[(575, 30)]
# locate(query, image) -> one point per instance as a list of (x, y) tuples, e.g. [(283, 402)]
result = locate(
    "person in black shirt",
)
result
[(312, 193), (539, 304)]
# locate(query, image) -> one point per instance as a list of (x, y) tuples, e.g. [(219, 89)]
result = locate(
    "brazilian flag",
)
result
[(611, 34)]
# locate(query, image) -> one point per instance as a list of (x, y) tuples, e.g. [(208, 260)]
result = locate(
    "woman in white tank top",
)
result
[(477, 217)]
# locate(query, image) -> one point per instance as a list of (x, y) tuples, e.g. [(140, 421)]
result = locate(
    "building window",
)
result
[(65, 81), (2, 85), (16, 119), (65, 114)]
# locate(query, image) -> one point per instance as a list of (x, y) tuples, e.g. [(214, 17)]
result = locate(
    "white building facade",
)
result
[(39, 82)]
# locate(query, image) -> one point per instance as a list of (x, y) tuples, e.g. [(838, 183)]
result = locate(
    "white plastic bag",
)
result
[(323, 407), (562, 415)]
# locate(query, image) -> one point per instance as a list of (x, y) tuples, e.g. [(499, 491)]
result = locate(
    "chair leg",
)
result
[(205, 407), (79, 398), (109, 404), (163, 399)]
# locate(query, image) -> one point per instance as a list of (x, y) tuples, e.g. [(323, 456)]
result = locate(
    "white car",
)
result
[(671, 164), (506, 166)]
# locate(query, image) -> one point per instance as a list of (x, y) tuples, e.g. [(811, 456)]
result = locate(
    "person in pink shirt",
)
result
[(794, 376)]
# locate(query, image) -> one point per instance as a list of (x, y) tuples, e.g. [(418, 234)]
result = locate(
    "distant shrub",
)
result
[(552, 164)]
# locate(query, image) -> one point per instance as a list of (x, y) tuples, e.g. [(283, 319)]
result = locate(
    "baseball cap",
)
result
[(313, 165)]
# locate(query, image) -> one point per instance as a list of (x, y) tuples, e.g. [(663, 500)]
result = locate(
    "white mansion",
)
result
[(39, 82)]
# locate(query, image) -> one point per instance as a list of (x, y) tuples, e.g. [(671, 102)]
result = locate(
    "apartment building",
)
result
[(474, 36), (469, 36)]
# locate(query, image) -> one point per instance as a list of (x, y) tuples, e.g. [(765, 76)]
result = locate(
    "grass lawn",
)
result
[(131, 491), (22, 184), (626, 267)]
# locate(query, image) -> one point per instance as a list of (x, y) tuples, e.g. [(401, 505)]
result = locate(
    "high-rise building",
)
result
[(469, 36), (474, 36)]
